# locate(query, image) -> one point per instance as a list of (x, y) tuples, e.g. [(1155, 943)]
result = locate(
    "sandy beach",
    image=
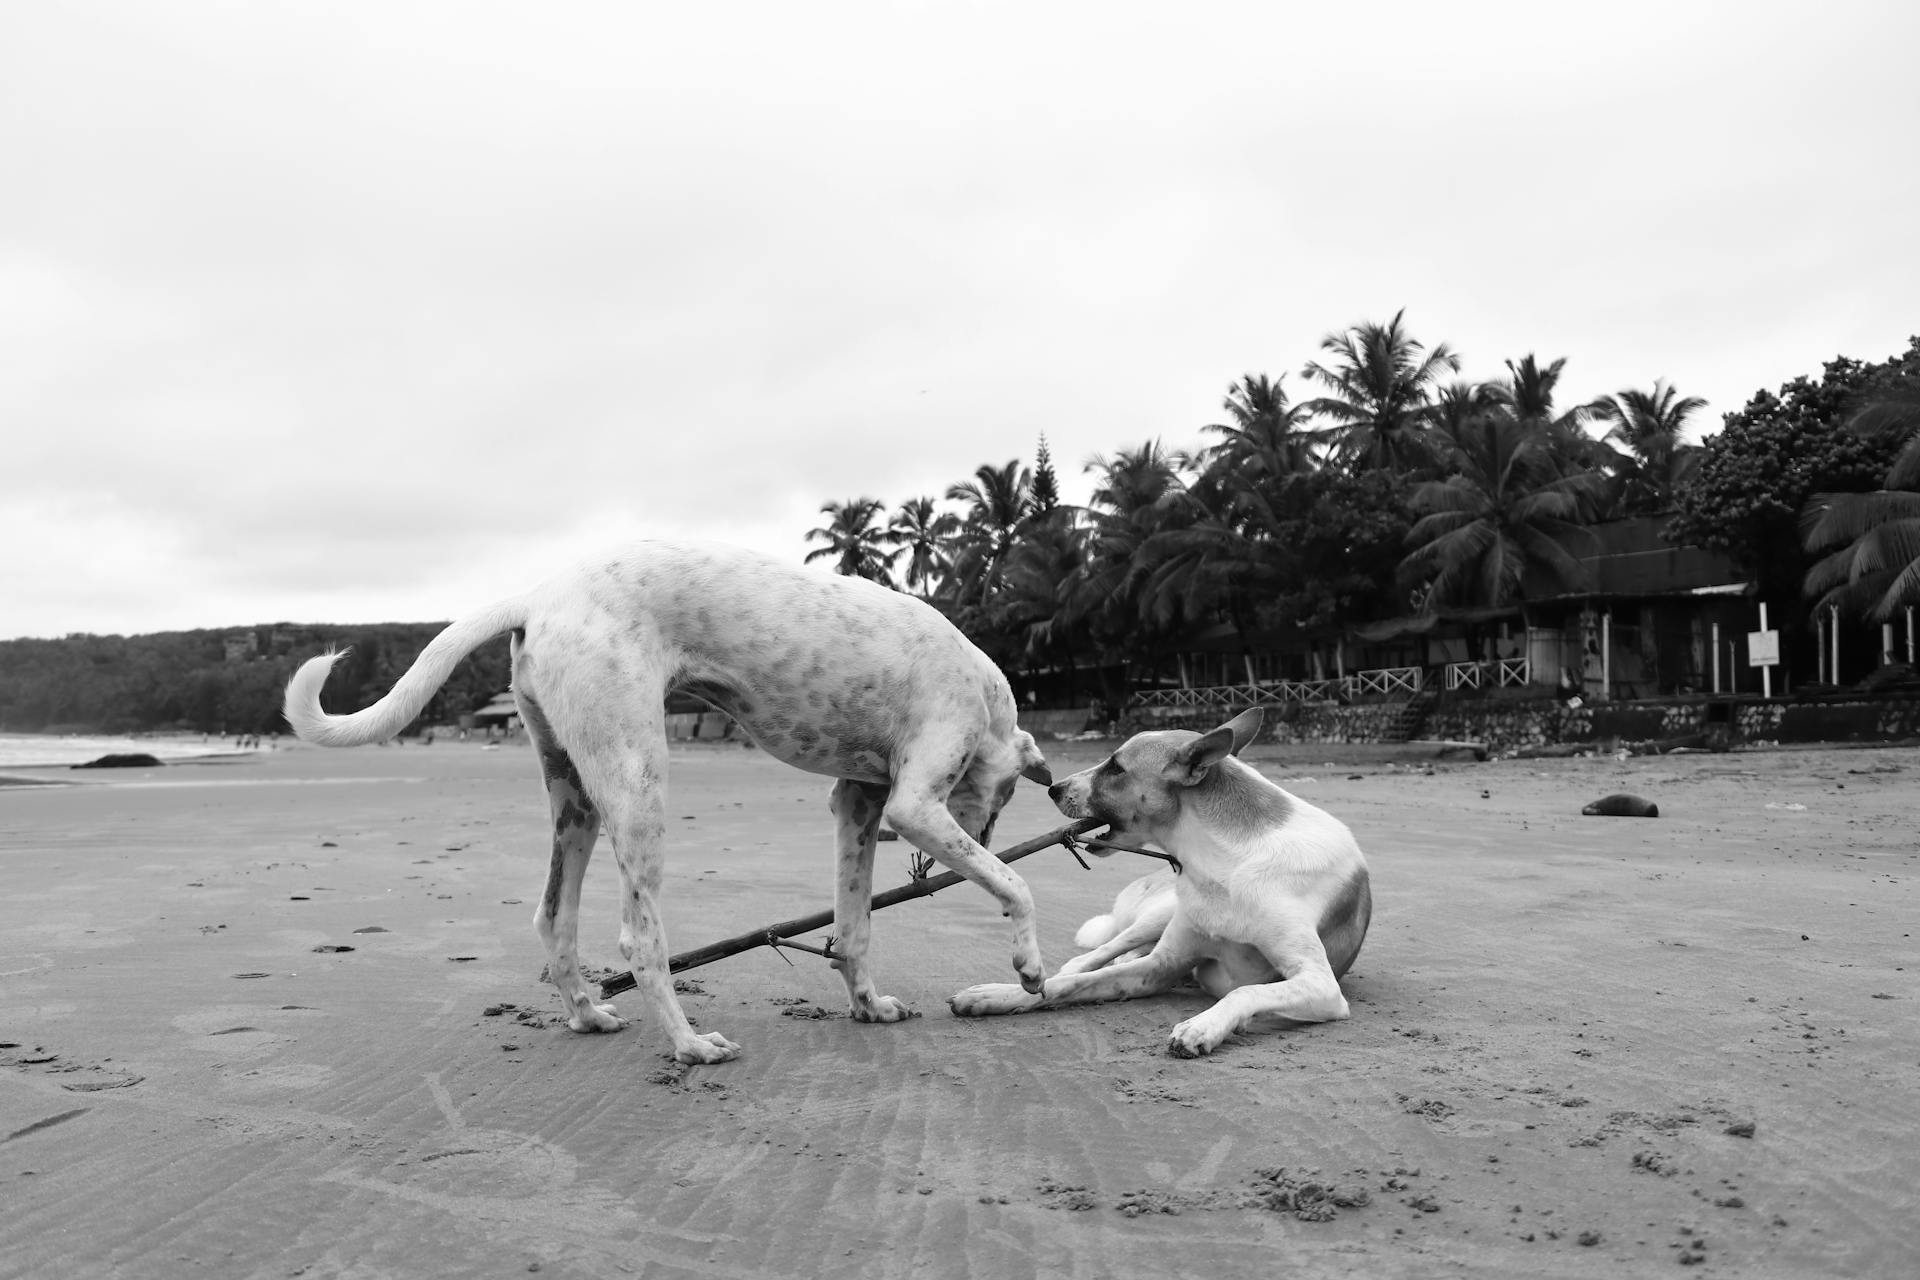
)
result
[(281, 1016)]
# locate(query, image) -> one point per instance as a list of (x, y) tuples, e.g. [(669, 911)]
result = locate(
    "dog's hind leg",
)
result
[(576, 825), (1161, 970), (856, 809), (1140, 935), (633, 783)]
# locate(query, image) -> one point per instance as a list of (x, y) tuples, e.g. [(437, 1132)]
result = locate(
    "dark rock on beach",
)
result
[(1622, 805), (122, 760)]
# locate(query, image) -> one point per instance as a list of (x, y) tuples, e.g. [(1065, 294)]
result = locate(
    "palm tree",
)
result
[(854, 542), (1267, 435), (1655, 459), (1138, 495), (1222, 557), (1528, 395), (1381, 386), (1873, 567), (1027, 612), (999, 500), (921, 534), (1459, 403), (1505, 515)]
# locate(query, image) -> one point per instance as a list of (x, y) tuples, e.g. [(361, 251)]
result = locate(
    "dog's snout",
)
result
[(1055, 791)]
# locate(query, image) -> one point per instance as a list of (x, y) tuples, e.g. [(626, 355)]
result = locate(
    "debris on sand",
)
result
[(810, 1012), (1306, 1195), (1058, 1195), (1654, 1162)]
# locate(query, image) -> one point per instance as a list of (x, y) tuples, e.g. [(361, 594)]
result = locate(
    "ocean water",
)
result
[(20, 750)]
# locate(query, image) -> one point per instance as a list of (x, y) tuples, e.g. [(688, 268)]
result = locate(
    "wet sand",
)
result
[(1579, 1046)]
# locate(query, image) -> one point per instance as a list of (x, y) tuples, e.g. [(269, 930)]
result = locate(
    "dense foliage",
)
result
[(1871, 540), (1293, 522), (1760, 473)]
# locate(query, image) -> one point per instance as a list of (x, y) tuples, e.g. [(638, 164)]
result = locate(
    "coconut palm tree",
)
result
[(1265, 434), (1506, 515), (921, 534), (1027, 612), (1381, 385), (1654, 458), (1459, 403), (1872, 568), (1528, 394), (998, 501), (855, 541), (1137, 495)]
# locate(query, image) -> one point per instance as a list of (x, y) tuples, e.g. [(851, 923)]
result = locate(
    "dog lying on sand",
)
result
[(834, 675), (1266, 912)]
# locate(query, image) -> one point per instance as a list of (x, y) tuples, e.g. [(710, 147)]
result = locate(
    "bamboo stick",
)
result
[(773, 933)]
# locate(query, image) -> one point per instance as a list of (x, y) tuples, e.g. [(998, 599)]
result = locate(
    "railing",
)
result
[(1301, 690), (1385, 681), (1497, 674), (1222, 695)]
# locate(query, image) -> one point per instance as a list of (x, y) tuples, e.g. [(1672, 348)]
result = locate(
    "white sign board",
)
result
[(1763, 648)]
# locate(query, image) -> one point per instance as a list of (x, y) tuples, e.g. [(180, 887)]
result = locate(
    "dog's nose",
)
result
[(1055, 791)]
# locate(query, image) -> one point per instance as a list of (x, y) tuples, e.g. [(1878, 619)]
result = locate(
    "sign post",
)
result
[(1763, 651)]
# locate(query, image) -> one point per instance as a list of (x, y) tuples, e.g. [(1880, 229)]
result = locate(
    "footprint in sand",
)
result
[(506, 1163), (245, 1033)]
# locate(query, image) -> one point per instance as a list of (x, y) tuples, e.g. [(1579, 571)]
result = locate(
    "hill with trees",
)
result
[(228, 681)]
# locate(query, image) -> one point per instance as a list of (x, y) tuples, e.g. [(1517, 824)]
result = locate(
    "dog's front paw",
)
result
[(595, 1017), (991, 998), (1196, 1037), (705, 1048), (1033, 974), (881, 1009)]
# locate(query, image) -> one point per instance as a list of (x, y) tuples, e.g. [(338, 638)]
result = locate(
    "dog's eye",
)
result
[(1110, 768)]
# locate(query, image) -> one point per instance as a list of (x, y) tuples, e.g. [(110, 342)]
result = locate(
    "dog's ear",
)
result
[(1245, 727), (1033, 765), (1192, 763)]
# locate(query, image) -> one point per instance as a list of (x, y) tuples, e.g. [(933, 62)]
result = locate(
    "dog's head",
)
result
[(983, 791), (1138, 790)]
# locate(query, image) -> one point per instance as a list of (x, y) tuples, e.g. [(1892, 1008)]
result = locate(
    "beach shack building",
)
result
[(1646, 619), (500, 713)]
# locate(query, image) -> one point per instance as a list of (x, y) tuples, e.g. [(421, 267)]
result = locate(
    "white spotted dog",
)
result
[(1267, 909), (834, 675)]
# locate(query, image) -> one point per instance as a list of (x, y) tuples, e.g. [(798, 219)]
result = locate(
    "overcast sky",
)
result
[(347, 313)]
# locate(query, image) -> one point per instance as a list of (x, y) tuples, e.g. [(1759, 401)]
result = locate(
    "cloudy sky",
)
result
[(334, 312)]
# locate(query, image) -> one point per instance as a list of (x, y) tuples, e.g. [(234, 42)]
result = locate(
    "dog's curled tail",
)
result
[(409, 694), (1097, 932)]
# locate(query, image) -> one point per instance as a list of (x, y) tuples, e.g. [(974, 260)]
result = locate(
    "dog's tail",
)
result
[(1097, 932), (403, 702)]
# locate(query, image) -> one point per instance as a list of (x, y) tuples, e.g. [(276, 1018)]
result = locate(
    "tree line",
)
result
[(1388, 485)]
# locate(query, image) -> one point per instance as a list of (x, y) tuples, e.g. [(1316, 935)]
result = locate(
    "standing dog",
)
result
[(1267, 911), (834, 675)]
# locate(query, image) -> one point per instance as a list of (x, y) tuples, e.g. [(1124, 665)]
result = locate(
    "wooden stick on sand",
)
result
[(773, 934)]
